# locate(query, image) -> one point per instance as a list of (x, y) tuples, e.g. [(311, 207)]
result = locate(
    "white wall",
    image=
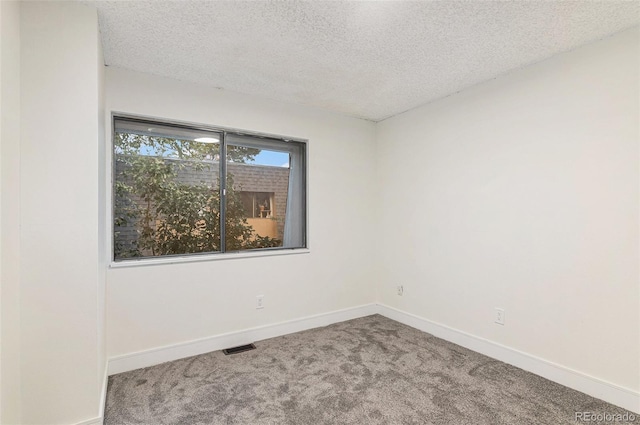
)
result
[(102, 227), (9, 212), (522, 193), (154, 306), (59, 252)]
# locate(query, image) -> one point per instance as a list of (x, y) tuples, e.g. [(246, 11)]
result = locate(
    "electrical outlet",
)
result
[(400, 290), (499, 316), (259, 301)]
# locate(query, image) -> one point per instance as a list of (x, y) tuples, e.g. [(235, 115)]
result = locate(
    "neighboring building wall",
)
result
[(260, 178)]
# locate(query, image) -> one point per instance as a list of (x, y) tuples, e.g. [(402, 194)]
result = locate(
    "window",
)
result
[(180, 190), (258, 204)]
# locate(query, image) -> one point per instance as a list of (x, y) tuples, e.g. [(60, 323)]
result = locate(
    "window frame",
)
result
[(203, 256)]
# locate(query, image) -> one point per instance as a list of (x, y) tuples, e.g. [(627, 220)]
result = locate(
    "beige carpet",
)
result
[(366, 371)]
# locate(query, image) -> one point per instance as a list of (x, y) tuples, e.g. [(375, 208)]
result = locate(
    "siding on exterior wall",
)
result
[(259, 178)]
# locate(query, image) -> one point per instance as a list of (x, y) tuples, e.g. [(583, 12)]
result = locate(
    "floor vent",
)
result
[(239, 349)]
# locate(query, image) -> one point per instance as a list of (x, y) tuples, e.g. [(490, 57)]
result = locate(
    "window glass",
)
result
[(260, 181), (166, 192), (167, 197)]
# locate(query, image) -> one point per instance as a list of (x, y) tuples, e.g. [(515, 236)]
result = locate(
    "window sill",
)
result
[(144, 262)]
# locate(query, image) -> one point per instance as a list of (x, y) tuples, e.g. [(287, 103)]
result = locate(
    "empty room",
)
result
[(319, 212)]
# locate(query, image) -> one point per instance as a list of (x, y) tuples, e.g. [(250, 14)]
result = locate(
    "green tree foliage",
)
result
[(173, 217)]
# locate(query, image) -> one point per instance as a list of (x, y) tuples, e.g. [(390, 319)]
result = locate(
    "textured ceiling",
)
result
[(366, 59)]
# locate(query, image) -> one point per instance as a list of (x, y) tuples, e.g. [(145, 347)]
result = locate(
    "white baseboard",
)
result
[(611, 393), (99, 420), (159, 355), (94, 421), (103, 394)]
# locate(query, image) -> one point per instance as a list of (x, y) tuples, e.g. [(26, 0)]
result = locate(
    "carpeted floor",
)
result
[(371, 370)]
